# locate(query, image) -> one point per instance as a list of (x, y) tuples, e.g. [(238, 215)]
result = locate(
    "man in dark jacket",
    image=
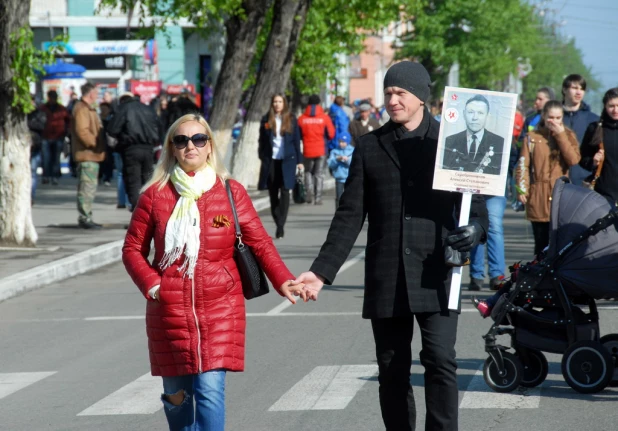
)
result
[(36, 124), (56, 129), (364, 124), (577, 117), (136, 127), (390, 183)]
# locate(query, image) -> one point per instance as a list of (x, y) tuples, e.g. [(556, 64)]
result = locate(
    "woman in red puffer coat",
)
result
[(195, 310)]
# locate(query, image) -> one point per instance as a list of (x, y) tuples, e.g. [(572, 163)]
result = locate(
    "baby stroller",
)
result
[(544, 310)]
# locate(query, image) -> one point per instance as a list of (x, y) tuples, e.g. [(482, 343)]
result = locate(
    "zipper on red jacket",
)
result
[(197, 325)]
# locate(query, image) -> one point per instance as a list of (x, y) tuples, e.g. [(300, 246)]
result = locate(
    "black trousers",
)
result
[(393, 338), (279, 195), (137, 168), (540, 230)]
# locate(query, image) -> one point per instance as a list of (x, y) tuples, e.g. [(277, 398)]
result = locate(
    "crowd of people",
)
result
[(382, 163)]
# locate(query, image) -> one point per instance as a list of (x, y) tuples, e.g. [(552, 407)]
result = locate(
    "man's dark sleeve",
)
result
[(347, 223), (116, 122)]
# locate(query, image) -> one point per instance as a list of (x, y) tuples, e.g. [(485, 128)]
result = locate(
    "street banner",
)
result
[(474, 146)]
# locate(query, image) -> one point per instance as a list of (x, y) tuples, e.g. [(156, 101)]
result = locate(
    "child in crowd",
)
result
[(339, 164)]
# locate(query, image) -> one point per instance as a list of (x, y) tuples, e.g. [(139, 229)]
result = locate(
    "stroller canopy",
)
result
[(590, 267)]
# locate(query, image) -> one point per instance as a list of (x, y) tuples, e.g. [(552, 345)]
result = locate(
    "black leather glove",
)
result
[(465, 238)]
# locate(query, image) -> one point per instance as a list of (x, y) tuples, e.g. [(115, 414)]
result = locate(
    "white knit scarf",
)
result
[(183, 228)]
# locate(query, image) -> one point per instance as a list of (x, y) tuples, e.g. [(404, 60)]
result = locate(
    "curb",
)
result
[(60, 269), (83, 262)]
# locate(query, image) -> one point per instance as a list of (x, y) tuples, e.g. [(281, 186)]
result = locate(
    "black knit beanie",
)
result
[(410, 76), (314, 99)]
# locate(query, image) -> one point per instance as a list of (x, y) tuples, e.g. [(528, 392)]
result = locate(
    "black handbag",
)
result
[(298, 194), (252, 276)]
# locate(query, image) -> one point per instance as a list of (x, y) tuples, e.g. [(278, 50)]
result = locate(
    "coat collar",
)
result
[(392, 132)]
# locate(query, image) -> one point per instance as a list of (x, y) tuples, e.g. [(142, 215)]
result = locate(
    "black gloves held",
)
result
[(465, 238)]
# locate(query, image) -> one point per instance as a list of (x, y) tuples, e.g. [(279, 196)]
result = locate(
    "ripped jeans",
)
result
[(207, 413)]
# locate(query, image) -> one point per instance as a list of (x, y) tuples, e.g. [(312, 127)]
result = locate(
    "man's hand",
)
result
[(312, 284), (465, 238), (291, 290)]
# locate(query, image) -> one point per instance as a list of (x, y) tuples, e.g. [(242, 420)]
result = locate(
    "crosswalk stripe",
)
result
[(325, 388), (140, 397), (479, 396), (13, 382)]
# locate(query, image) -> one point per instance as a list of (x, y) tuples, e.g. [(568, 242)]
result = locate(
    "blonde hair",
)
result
[(167, 161)]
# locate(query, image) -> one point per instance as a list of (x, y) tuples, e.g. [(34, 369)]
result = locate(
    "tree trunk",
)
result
[(16, 227), (288, 20), (239, 52)]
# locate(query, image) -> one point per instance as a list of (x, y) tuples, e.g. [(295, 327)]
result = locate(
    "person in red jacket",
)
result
[(56, 128), (316, 129), (195, 309)]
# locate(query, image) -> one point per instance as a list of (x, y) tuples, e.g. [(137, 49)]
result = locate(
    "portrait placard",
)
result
[(475, 141)]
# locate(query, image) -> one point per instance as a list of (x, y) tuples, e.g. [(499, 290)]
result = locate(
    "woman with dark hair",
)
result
[(279, 152), (546, 155), (600, 144)]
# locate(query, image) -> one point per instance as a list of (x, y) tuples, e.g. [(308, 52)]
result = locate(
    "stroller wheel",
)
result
[(510, 380), (610, 342), (587, 367), (535, 367)]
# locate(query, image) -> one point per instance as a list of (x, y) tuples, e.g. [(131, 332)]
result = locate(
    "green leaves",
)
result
[(26, 63)]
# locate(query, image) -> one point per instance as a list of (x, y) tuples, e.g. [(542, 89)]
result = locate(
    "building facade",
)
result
[(107, 44)]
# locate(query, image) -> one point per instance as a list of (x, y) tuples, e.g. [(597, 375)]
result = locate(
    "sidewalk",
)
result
[(64, 250)]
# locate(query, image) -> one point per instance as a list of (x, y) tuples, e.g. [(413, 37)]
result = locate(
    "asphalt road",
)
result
[(73, 356)]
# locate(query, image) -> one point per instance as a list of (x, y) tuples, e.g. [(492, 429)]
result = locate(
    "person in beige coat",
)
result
[(546, 155), (88, 148)]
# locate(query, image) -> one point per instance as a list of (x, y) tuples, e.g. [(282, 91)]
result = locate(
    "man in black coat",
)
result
[(136, 127), (390, 183), (475, 149)]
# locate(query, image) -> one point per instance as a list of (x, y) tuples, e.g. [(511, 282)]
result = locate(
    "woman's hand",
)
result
[(290, 291), (554, 126), (312, 284), (300, 167), (598, 158), (522, 199)]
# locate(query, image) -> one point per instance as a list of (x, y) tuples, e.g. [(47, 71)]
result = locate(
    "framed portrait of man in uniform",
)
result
[(475, 141)]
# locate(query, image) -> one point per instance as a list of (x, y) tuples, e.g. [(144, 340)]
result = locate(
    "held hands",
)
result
[(598, 157), (290, 290), (312, 284), (464, 238)]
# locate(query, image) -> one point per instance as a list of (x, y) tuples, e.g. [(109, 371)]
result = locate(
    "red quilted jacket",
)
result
[(197, 325)]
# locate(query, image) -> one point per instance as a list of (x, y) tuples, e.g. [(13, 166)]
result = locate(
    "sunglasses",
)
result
[(199, 140)]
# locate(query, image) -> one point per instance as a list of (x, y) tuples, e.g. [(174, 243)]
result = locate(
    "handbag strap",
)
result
[(236, 224)]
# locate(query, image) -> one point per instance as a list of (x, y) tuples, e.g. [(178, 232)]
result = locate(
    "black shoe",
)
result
[(476, 284), (279, 233), (318, 202), (308, 201), (89, 225), (121, 206), (496, 282)]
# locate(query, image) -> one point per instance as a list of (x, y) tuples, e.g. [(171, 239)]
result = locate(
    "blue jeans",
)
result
[(50, 150), (495, 242), (208, 413), (120, 191), (35, 162)]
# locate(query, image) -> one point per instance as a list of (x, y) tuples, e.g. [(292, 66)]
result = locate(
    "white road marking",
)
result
[(13, 382), (326, 388), (267, 314), (140, 397), (479, 396), (285, 304)]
